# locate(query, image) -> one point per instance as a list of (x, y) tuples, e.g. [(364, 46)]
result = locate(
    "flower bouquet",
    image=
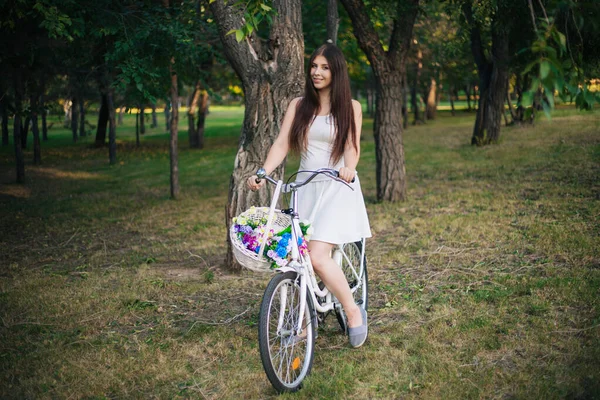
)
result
[(249, 230)]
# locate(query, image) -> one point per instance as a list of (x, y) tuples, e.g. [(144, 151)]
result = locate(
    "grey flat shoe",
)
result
[(358, 335)]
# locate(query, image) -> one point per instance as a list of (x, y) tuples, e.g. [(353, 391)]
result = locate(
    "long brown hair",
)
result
[(340, 96)]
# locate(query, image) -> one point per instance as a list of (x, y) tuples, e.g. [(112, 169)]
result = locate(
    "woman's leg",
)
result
[(333, 277)]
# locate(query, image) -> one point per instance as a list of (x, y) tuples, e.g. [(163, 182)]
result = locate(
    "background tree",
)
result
[(269, 63), (389, 68)]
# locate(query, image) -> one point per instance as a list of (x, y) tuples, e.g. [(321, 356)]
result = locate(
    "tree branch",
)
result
[(402, 32), (365, 33), (241, 55), (476, 45)]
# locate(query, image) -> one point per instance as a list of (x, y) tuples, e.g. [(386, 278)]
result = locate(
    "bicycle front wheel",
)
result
[(286, 354)]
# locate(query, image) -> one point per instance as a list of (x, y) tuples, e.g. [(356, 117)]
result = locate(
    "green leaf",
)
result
[(527, 99), (547, 110), (140, 87), (265, 7), (529, 67), (239, 35), (563, 40), (544, 69)]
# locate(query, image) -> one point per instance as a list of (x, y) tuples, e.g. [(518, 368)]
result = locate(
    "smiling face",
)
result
[(320, 73)]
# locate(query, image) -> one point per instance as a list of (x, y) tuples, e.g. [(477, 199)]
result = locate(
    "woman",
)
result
[(324, 127)]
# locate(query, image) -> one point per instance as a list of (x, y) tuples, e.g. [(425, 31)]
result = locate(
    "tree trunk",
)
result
[(494, 84), (168, 114), (37, 151), (202, 111), (142, 120), (17, 127), (468, 95), (431, 108), (4, 115), (120, 118), (102, 121), (67, 105), (414, 91), (389, 149), (191, 114), (43, 112), (25, 131), (174, 131), (520, 83), (333, 21), (271, 75), (405, 90), (81, 118), (510, 107), (389, 68), (451, 97), (112, 128), (74, 118), (137, 129), (154, 119), (493, 79)]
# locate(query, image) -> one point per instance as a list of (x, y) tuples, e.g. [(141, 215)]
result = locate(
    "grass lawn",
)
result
[(485, 283)]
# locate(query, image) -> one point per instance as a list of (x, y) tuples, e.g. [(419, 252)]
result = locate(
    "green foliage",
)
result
[(255, 12), (555, 68)]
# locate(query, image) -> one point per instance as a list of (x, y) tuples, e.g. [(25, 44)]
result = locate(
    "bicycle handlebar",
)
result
[(332, 173)]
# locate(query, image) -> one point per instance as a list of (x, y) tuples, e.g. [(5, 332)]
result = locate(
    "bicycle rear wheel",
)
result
[(354, 266), (286, 356)]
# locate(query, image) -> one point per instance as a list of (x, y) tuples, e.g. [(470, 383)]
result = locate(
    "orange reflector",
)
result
[(296, 363)]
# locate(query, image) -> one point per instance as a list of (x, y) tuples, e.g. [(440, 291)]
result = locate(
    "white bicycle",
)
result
[(294, 302)]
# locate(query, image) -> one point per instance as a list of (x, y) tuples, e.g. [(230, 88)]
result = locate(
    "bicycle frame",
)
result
[(304, 268)]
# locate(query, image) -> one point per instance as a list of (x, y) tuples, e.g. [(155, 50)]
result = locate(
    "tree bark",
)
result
[(191, 114), (20, 162), (493, 80), (142, 120), (405, 90), (333, 21), (451, 97), (389, 68), (468, 95), (25, 131), (43, 112), (74, 118), (510, 107), (168, 114), (81, 118), (202, 111), (67, 105), (4, 116), (112, 128), (37, 151), (154, 119), (102, 121), (272, 75), (431, 108), (137, 129), (414, 91), (174, 130)]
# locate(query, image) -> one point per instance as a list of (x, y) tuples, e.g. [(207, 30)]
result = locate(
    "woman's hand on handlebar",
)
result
[(252, 185), (347, 174)]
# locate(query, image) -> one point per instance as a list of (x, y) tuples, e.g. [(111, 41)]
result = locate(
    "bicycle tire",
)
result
[(361, 296), (287, 358)]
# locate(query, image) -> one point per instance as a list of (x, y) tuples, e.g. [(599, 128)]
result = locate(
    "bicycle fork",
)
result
[(297, 324)]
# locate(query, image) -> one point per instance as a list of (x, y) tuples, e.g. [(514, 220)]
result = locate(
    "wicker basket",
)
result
[(248, 258)]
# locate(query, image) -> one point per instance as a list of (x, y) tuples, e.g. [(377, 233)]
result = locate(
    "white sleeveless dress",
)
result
[(337, 214)]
